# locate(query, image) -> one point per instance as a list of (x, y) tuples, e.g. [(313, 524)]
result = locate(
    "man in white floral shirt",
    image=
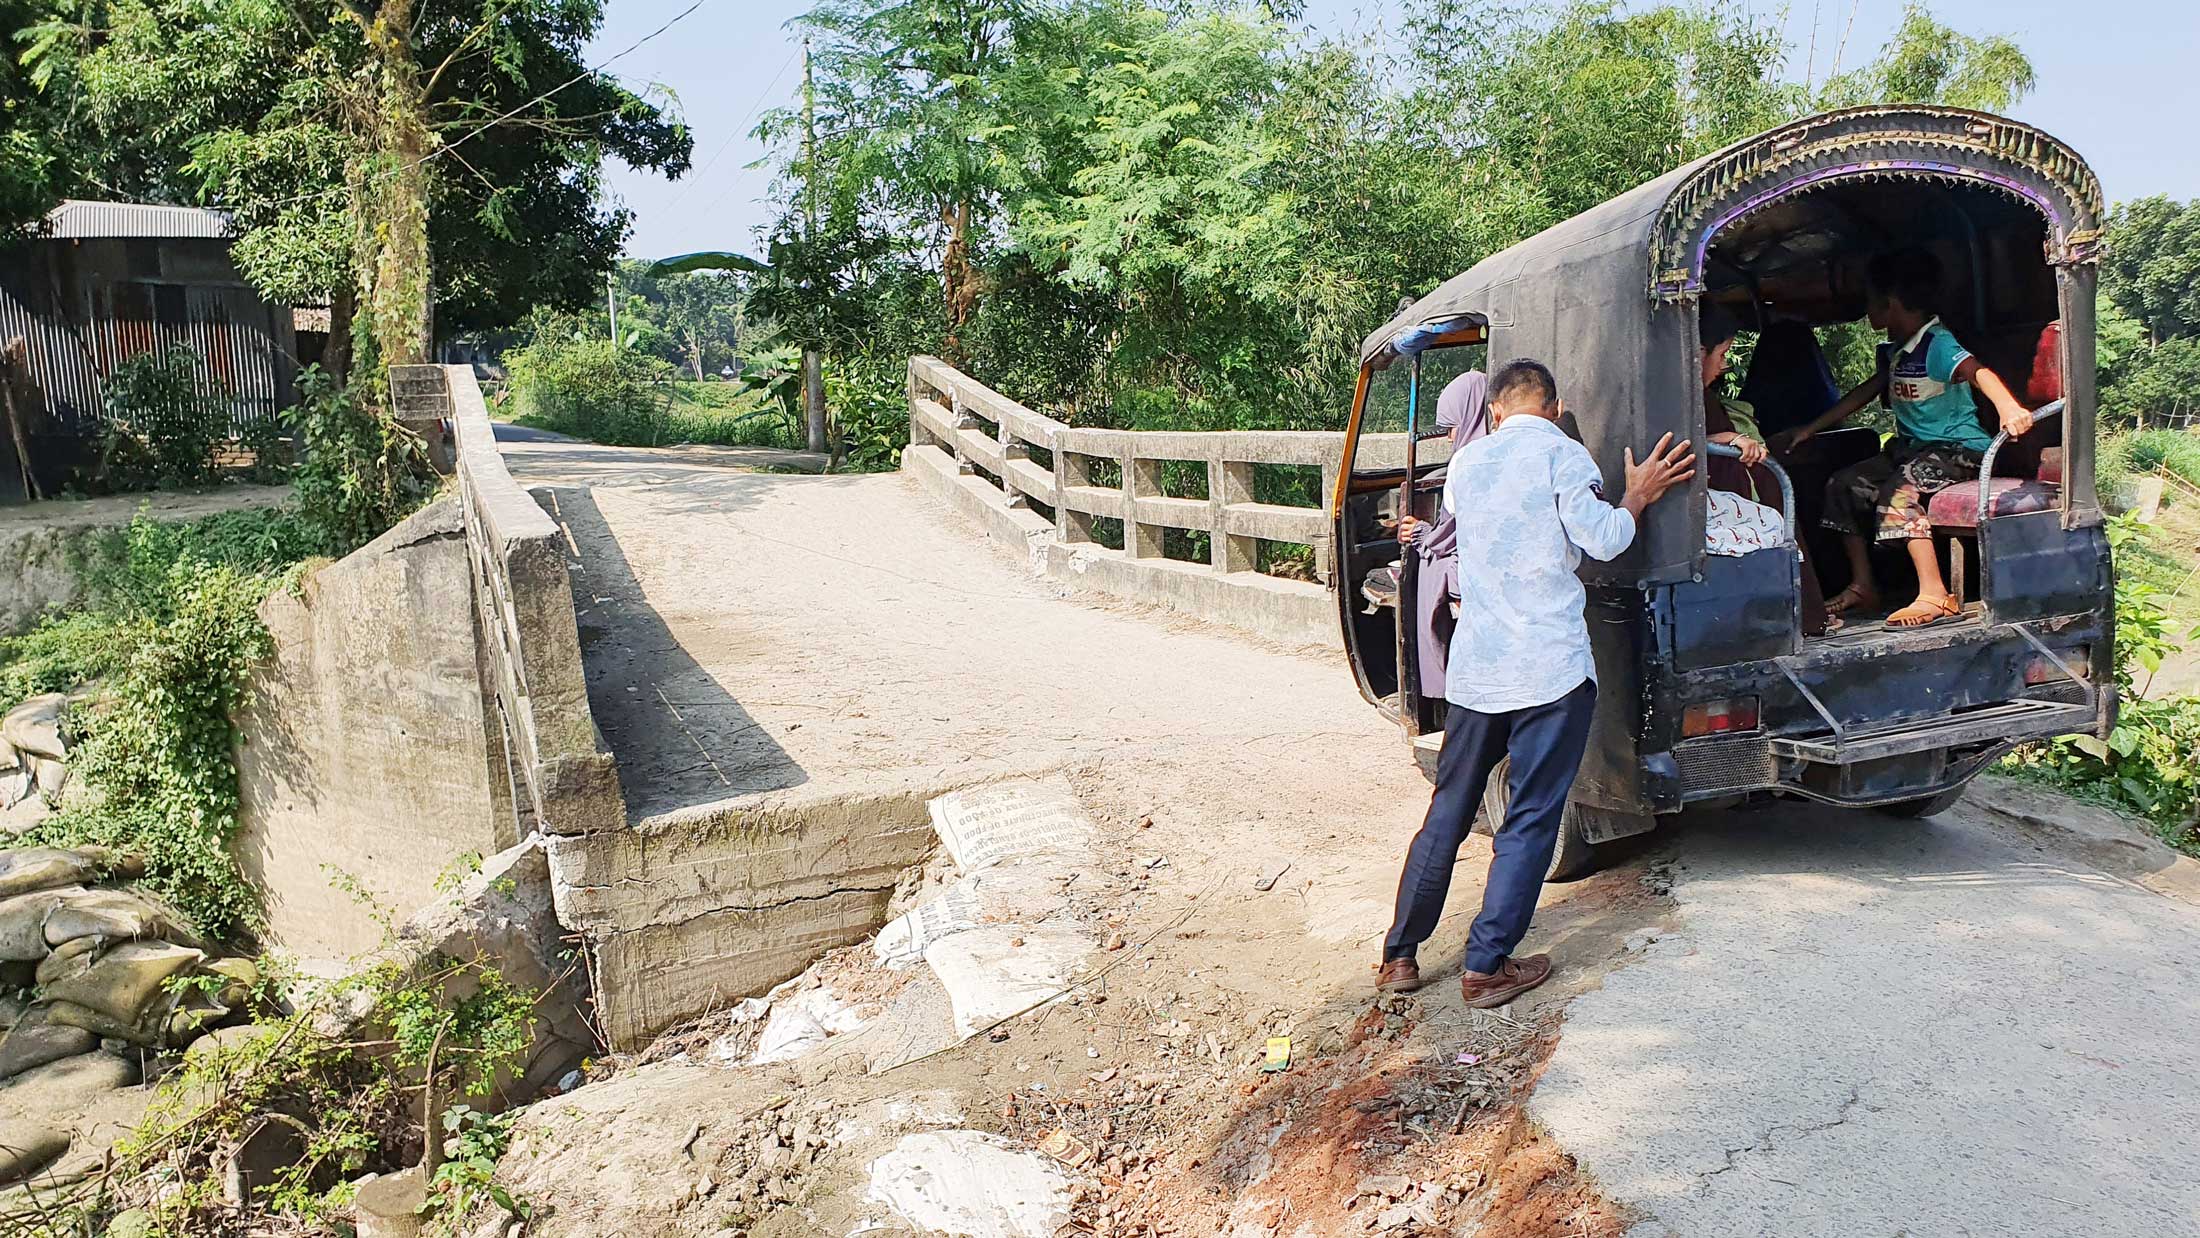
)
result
[(1529, 502)]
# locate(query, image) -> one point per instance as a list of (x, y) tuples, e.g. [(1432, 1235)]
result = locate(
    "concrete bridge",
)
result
[(728, 694), (723, 694)]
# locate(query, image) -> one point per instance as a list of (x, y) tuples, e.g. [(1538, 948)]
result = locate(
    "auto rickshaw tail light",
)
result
[(2042, 669), (1719, 717)]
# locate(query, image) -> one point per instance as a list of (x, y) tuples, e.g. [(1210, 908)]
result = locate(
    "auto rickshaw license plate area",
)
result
[(1862, 722)]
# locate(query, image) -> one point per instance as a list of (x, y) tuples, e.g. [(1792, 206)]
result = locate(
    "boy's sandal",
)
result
[(1924, 611)]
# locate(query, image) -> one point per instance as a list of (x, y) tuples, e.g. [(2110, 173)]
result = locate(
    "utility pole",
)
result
[(611, 299), (813, 365)]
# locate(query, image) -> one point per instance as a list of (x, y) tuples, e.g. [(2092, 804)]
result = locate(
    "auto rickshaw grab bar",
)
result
[(1787, 487), (2053, 408)]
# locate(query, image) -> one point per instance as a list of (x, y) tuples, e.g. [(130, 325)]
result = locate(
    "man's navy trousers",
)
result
[(1545, 743)]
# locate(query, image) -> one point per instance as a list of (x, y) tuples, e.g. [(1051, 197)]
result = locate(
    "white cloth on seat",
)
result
[(1735, 526)]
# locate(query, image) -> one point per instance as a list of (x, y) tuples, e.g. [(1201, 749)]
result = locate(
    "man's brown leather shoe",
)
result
[(1512, 978), (1399, 976)]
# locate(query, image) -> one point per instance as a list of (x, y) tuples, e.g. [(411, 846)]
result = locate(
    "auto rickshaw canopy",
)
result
[(1608, 297)]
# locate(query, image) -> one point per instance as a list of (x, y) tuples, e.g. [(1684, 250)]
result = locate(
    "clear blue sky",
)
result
[(2119, 80)]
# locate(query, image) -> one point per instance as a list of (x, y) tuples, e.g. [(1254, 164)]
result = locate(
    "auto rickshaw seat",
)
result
[(2030, 468), (1956, 507)]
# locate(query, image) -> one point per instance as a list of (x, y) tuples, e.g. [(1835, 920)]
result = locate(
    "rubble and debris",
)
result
[(985, 825), (801, 1023), (1066, 1148)]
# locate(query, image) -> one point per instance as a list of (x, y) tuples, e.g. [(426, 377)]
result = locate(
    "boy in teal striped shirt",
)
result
[(1938, 439)]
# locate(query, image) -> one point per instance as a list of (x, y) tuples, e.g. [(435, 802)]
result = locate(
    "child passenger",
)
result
[(1938, 439)]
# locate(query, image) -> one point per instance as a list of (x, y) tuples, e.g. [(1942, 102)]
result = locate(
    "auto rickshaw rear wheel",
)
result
[(1572, 859), (1924, 806)]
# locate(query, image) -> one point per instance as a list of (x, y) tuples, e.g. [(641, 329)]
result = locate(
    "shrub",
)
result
[(592, 389), (164, 420), (169, 631), (361, 473), (446, 1028), (2176, 451), (872, 418), (2150, 762)]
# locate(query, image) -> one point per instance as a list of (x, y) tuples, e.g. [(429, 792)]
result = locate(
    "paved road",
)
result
[(1864, 1026), (1853, 1025)]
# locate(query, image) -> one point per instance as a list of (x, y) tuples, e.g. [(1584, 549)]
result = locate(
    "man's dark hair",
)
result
[(1525, 375), (1716, 324), (1911, 276)]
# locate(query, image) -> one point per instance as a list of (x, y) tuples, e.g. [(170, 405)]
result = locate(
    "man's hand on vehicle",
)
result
[(1668, 465), (1406, 526), (2016, 419)]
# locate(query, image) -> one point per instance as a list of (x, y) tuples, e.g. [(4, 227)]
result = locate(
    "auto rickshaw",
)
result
[(1709, 689)]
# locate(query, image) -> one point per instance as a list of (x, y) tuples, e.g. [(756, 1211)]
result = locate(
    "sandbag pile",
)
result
[(115, 973), (33, 750), (106, 963)]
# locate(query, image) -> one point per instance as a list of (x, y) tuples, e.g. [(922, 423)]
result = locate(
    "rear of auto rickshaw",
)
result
[(1709, 687)]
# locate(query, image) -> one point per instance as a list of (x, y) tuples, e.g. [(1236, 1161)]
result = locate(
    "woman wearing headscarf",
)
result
[(1463, 409), (1734, 423)]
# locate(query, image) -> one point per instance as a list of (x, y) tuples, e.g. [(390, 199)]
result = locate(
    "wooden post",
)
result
[(17, 361)]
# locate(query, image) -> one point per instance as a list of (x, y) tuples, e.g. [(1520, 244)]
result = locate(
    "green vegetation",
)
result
[(165, 417), (331, 127), (2146, 451), (361, 472), (1190, 215), (161, 645), (164, 644), (356, 1105), (2159, 555), (2150, 763), (591, 389), (2149, 334)]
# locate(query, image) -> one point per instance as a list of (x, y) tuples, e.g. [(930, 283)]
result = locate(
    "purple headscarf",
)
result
[(1463, 409)]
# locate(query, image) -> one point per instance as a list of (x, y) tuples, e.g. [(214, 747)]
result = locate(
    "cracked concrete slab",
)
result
[(1870, 1026)]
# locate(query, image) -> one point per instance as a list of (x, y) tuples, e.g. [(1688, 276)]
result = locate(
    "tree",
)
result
[(698, 312), (1927, 62), (910, 101), (2149, 329), (34, 163), (438, 164), (1600, 101), (2152, 269), (1188, 215)]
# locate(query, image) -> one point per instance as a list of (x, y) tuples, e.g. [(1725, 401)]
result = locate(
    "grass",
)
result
[(725, 413), (2166, 556)]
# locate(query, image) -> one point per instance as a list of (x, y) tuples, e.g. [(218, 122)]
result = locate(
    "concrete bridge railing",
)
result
[(564, 782), (976, 448)]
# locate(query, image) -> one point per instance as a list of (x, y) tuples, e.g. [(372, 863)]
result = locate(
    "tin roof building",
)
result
[(105, 281)]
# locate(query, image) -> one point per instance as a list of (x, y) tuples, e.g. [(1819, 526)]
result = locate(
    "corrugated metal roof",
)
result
[(77, 220)]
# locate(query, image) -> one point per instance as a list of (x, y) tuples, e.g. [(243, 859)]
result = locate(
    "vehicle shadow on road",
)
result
[(680, 738)]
